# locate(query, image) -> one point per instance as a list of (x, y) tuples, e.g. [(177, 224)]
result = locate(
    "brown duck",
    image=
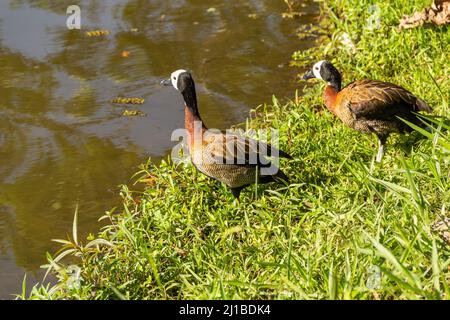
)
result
[(231, 159), (369, 106)]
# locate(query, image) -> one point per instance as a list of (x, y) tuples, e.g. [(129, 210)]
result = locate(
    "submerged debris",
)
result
[(125, 54), (97, 33), (122, 100), (438, 14), (212, 10), (292, 13)]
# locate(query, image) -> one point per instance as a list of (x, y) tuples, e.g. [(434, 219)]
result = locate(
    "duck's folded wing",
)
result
[(233, 149), (377, 99)]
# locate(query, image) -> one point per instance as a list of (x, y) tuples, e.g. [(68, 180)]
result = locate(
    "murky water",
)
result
[(62, 141)]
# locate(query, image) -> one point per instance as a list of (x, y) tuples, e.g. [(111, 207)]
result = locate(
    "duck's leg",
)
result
[(381, 146), (236, 192)]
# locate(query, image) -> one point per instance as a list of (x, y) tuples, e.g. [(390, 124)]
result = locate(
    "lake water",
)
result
[(63, 143)]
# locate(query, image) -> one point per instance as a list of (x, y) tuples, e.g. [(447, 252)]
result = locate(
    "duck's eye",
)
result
[(317, 68), (174, 78)]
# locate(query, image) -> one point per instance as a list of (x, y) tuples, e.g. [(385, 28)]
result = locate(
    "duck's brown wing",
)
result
[(373, 99), (233, 149)]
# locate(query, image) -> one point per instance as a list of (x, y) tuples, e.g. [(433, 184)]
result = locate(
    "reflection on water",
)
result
[(63, 143)]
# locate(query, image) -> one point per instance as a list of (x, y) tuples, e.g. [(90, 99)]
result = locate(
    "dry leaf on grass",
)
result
[(438, 14), (442, 227)]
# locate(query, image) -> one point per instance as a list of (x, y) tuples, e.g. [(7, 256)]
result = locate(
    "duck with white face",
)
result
[(369, 106), (183, 82), (210, 153)]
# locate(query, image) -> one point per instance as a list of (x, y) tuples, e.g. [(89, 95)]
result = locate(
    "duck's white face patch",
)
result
[(316, 69), (174, 77)]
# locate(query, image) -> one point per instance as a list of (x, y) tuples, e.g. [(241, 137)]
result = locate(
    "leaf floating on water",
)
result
[(125, 54), (122, 100), (253, 16), (212, 10), (133, 113), (291, 15), (97, 33), (134, 29)]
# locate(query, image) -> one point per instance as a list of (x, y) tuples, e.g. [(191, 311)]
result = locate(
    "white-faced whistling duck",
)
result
[(369, 106), (206, 149)]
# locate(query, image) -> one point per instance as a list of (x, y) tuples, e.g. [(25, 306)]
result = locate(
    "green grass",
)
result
[(322, 237)]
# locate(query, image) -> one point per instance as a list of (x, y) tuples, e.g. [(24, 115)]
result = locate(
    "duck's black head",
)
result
[(326, 71), (182, 81)]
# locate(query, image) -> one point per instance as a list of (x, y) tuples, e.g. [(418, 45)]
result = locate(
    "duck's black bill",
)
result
[(308, 75), (166, 82)]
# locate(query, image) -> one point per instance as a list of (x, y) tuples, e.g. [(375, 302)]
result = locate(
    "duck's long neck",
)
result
[(330, 95), (190, 105), (192, 120)]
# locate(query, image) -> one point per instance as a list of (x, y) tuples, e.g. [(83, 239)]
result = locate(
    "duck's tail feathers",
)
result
[(423, 106), (281, 176), (281, 154), (285, 155)]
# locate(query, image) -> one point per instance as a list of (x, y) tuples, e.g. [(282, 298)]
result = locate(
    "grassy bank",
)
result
[(340, 230)]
